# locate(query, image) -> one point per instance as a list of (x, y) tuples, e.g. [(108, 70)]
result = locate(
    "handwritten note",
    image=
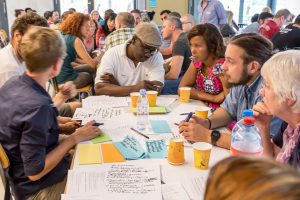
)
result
[(156, 148), (104, 101), (174, 191), (132, 181), (130, 148)]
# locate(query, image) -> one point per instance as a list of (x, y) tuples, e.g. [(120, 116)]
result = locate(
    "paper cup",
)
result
[(176, 152), (134, 97), (152, 97), (201, 154), (202, 112), (184, 93)]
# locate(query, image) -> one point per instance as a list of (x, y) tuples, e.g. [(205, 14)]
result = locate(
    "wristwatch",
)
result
[(215, 136)]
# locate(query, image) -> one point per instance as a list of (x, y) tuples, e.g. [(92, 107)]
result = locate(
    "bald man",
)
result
[(124, 24), (188, 22)]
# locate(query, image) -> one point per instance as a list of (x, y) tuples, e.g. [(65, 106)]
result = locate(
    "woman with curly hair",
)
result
[(74, 29), (104, 30), (205, 69)]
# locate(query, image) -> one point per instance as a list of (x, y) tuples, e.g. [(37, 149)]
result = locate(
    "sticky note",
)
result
[(160, 126), (130, 148), (89, 154), (111, 154), (156, 148), (155, 110), (101, 138)]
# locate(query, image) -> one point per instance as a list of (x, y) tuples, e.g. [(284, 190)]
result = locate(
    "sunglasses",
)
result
[(147, 49)]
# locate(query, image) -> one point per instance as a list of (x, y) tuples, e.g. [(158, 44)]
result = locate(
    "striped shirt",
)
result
[(119, 36)]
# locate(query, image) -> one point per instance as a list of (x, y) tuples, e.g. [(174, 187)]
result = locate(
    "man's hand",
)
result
[(193, 131), (69, 127), (87, 132), (263, 117), (67, 90), (109, 78)]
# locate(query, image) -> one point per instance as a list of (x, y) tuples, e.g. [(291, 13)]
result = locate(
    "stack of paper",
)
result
[(104, 101)]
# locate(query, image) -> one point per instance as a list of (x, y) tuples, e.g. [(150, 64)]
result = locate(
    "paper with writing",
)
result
[(130, 148), (156, 148), (174, 191), (104, 101)]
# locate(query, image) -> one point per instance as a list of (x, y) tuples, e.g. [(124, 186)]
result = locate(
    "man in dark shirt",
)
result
[(181, 53), (288, 38), (28, 121)]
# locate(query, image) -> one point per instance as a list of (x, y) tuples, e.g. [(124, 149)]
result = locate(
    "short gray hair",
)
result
[(283, 71), (176, 21)]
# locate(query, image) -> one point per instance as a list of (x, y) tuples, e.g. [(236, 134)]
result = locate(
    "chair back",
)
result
[(4, 161)]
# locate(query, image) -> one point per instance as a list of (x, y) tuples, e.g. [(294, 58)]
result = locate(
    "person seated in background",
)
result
[(254, 26), (174, 14), (124, 24), (166, 47), (181, 53), (19, 13), (228, 29), (272, 26), (132, 66), (104, 30), (250, 178), (267, 9), (205, 70), (188, 22), (90, 40), (48, 17), (74, 29), (288, 38), (244, 57), (28, 124), (281, 98), (95, 15), (136, 13)]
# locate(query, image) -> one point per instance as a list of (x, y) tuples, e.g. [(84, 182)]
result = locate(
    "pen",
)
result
[(185, 113), (138, 132), (187, 119), (176, 124), (95, 124)]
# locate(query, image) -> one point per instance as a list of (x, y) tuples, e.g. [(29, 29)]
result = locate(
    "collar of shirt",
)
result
[(253, 87)]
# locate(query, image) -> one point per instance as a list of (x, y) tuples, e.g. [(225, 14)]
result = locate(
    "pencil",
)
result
[(138, 132)]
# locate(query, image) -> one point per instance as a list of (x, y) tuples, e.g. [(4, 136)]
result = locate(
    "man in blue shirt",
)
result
[(28, 121), (212, 11), (244, 57)]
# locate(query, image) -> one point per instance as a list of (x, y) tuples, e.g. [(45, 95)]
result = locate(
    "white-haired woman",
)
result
[(281, 97)]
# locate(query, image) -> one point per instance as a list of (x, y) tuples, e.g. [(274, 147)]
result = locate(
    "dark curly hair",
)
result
[(111, 16), (73, 23), (211, 36)]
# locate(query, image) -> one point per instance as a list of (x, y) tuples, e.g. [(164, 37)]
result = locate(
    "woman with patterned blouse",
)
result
[(204, 74)]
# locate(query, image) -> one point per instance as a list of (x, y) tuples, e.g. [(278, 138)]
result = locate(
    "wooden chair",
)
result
[(84, 92), (4, 167)]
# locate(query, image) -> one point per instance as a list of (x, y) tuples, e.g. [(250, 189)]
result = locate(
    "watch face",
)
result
[(215, 135)]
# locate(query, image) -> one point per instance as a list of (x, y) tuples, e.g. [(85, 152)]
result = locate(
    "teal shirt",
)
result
[(67, 72)]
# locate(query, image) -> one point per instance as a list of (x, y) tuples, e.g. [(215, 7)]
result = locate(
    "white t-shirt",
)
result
[(10, 65), (115, 62)]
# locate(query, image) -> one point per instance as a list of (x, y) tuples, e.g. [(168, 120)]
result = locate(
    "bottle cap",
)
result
[(142, 91), (247, 113), (249, 120)]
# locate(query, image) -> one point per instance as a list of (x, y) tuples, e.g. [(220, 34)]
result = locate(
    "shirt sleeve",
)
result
[(275, 126), (179, 48), (157, 72), (278, 138), (220, 13), (230, 103), (5, 76), (34, 139), (106, 66)]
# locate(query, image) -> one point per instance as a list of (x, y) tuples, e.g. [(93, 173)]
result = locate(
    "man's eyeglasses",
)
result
[(186, 22), (147, 49)]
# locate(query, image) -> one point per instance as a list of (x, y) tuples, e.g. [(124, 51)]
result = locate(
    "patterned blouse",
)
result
[(211, 82)]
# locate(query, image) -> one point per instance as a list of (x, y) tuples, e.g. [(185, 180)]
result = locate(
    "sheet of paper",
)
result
[(195, 186), (104, 101), (89, 154), (165, 101), (103, 137), (174, 191), (156, 148), (85, 182), (83, 113), (132, 182), (75, 197), (130, 148), (154, 110), (111, 154), (160, 126)]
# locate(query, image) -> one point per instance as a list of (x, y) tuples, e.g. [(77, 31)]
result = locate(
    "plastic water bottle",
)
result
[(245, 137), (142, 111), (102, 43)]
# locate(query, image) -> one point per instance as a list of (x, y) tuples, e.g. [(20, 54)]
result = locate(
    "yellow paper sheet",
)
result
[(89, 154), (111, 154)]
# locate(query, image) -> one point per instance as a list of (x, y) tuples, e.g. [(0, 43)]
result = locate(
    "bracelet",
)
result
[(209, 123)]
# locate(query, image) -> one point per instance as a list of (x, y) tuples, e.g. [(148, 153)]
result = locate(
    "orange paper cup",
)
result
[(152, 97), (201, 154), (184, 94), (202, 112), (134, 97), (176, 152)]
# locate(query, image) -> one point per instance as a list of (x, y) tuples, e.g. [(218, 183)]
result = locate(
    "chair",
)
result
[(84, 92), (4, 167)]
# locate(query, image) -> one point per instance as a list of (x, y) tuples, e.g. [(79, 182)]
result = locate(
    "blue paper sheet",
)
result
[(160, 126), (156, 148), (130, 148)]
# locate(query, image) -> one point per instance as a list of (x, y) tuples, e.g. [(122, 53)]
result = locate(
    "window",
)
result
[(79, 5), (252, 7), (116, 5), (291, 5), (234, 6)]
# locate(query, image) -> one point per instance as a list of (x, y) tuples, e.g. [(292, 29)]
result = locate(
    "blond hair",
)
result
[(251, 178), (41, 47), (283, 71)]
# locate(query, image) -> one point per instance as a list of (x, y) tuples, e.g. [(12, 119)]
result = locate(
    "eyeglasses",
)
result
[(186, 22), (147, 49)]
